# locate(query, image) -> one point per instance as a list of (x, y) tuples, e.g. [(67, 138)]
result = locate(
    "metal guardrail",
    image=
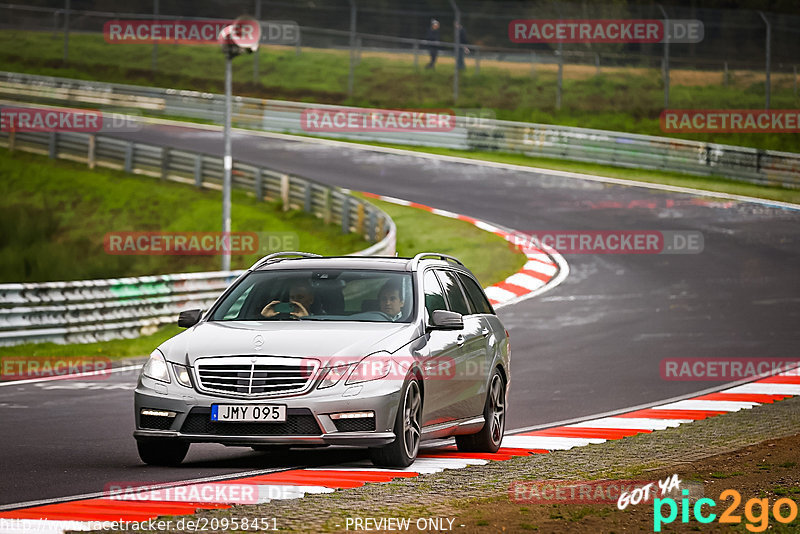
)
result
[(545, 140), (97, 310)]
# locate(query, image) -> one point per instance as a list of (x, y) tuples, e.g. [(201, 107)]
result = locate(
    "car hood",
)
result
[(342, 341)]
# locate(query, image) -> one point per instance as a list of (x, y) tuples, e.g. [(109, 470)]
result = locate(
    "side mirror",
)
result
[(189, 318), (446, 320)]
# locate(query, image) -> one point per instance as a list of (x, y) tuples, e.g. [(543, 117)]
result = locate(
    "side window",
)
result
[(453, 291), (434, 298), (476, 296)]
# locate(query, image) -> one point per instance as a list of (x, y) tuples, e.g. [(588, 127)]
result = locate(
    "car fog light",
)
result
[(352, 415)]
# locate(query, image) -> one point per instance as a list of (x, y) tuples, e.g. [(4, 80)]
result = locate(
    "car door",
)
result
[(471, 365), (439, 367)]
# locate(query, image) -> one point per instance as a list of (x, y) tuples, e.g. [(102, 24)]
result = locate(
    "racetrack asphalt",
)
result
[(591, 345)]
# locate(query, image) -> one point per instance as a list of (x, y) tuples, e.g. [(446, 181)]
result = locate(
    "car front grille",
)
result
[(256, 376), (299, 422)]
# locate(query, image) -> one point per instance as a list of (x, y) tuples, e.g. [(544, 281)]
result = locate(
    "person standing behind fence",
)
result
[(462, 39), (433, 49)]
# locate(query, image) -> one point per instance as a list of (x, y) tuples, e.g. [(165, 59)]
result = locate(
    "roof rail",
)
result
[(423, 255), (278, 256)]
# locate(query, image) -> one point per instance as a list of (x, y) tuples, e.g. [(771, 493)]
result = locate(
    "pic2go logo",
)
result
[(758, 520)]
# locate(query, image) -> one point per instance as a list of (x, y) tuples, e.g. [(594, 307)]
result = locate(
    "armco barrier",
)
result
[(97, 310), (562, 142)]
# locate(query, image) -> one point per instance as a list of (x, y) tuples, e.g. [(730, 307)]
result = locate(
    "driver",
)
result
[(390, 300), (301, 296)]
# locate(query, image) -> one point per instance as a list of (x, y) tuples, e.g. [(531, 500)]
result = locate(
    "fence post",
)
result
[(326, 205), (360, 218), (66, 31), (725, 75), (259, 191), (345, 214), (154, 59), (91, 156), (416, 59), (129, 157), (477, 60), (767, 87), (255, 54), (456, 47), (298, 45), (285, 191), (665, 63), (51, 147), (307, 198), (164, 163), (533, 63), (352, 47), (379, 231), (198, 171), (794, 70), (371, 227), (597, 62)]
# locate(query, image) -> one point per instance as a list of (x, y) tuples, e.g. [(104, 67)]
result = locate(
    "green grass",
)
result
[(488, 256), (54, 216), (706, 183), (115, 349), (624, 100)]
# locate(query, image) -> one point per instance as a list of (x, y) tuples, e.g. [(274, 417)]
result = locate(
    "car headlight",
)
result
[(182, 375), (156, 367), (333, 375), (373, 367)]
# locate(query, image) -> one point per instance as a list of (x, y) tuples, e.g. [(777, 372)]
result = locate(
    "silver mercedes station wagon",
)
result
[(304, 350)]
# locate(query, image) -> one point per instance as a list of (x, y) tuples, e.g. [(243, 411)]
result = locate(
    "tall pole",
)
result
[(352, 48), (227, 165), (66, 30), (154, 59), (457, 47), (666, 56), (255, 55), (769, 39)]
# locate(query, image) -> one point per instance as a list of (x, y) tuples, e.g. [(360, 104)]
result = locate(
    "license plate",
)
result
[(249, 413)]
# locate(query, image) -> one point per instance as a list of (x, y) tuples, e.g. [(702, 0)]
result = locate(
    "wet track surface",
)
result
[(593, 344)]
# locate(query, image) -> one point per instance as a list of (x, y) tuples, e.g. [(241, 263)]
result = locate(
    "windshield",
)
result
[(320, 295)]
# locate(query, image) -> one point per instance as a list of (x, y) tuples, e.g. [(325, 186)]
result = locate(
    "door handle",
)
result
[(460, 339)]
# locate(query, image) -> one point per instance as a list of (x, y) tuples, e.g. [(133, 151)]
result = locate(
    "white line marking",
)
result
[(550, 443), (721, 406), (766, 389), (631, 423)]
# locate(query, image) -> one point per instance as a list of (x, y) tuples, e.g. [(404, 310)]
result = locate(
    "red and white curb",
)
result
[(84, 514), (544, 270)]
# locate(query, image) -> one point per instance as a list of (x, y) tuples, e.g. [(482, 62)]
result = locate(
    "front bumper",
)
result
[(308, 416)]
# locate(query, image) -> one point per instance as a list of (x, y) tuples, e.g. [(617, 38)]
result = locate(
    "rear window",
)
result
[(477, 298)]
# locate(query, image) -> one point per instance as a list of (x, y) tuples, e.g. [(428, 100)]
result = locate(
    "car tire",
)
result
[(403, 450), (494, 415), (162, 452)]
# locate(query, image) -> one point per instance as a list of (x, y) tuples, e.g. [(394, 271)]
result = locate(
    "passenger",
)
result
[(390, 300), (301, 296)]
